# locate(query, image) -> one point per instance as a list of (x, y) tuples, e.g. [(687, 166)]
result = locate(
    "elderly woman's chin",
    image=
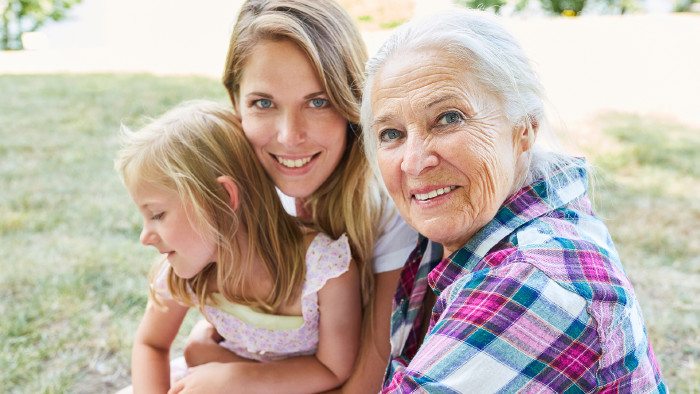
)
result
[(450, 221)]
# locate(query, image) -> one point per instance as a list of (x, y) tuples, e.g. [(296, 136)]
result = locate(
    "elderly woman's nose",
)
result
[(418, 155), (291, 130)]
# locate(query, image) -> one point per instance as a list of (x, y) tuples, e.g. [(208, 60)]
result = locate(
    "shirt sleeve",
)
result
[(395, 243), (504, 331)]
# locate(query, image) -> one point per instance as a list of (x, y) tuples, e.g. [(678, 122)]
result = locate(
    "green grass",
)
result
[(647, 192), (73, 274)]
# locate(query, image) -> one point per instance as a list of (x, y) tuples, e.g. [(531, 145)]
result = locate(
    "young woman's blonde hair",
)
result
[(349, 201), (185, 151)]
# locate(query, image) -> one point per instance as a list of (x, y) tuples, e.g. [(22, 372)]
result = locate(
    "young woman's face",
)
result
[(167, 228), (286, 114)]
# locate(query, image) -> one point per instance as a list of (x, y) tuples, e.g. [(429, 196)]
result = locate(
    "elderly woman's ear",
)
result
[(525, 133)]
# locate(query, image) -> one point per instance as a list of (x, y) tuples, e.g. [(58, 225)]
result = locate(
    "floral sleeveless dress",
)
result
[(265, 337)]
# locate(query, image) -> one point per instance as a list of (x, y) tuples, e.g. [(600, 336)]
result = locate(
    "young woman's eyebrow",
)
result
[(259, 94), (312, 95)]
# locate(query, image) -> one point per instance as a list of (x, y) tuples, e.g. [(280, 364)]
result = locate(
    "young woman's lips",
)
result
[(298, 165)]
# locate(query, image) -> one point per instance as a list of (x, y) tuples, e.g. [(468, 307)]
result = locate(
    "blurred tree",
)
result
[(557, 7), (684, 5), (483, 4), (21, 16), (563, 7), (622, 6)]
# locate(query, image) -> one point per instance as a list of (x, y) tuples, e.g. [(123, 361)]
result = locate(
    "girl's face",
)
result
[(286, 114), (167, 228)]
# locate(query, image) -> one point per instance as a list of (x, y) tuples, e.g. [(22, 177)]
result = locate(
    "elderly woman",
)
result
[(515, 284)]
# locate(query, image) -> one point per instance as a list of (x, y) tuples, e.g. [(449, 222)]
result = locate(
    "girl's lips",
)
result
[(430, 193)]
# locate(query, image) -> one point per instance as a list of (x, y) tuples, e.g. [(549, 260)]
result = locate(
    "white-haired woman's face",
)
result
[(447, 153)]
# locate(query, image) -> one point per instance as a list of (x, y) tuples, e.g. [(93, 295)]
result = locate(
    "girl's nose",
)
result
[(148, 237)]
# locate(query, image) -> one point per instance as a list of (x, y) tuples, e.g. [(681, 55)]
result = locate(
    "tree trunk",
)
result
[(4, 44)]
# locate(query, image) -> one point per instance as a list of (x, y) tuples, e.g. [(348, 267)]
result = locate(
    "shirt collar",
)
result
[(545, 195)]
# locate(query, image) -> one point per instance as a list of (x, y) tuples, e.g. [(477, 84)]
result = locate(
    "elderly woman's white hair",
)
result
[(497, 63)]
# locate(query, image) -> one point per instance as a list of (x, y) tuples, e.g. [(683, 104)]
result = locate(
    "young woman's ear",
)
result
[(235, 100), (231, 189)]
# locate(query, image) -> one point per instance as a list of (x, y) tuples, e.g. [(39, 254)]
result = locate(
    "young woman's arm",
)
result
[(150, 357), (339, 336), (375, 347), (340, 323)]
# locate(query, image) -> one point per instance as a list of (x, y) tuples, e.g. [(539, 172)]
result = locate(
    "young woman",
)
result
[(294, 73), (273, 289)]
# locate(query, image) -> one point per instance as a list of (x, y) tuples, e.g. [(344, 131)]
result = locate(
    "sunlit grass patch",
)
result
[(73, 284), (649, 182)]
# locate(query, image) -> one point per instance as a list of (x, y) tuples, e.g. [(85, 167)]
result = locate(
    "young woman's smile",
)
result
[(287, 116)]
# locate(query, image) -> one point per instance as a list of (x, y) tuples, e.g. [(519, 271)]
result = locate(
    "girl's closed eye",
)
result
[(158, 216)]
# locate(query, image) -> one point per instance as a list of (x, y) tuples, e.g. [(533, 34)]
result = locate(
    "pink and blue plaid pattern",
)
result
[(537, 301)]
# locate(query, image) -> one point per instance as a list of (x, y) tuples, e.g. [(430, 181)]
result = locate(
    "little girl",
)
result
[(272, 288)]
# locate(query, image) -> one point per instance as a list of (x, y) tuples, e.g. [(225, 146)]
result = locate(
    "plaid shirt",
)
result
[(537, 301)]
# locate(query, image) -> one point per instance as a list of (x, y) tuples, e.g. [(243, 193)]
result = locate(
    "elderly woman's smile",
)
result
[(447, 154)]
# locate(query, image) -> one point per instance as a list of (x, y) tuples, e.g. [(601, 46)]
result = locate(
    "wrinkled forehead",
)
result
[(408, 61), (420, 76)]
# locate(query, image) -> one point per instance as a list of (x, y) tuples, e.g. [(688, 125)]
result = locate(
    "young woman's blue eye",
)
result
[(389, 135), (263, 103), (318, 102), (449, 117)]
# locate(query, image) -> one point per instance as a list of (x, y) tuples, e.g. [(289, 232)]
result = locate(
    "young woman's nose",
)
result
[(418, 154), (291, 130)]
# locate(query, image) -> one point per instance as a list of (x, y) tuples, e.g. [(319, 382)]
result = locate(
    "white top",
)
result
[(394, 244)]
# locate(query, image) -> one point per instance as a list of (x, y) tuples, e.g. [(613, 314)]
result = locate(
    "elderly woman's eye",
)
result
[(262, 103), (389, 135), (449, 117)]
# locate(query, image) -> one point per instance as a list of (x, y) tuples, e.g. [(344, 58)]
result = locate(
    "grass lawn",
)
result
[(73, 274)]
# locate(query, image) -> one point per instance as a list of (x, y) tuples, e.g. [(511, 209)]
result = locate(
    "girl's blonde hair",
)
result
[(185, 151), (350, 200)]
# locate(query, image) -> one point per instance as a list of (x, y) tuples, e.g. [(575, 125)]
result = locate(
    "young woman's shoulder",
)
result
[(395, 242)]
